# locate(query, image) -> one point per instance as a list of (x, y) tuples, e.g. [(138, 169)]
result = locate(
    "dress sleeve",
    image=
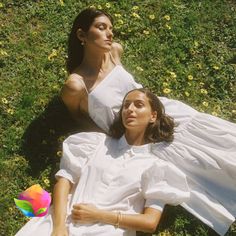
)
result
[(77, 150), (163, 183)]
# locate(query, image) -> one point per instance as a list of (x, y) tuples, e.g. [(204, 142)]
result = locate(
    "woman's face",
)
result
[(100, 33), (137, 112)]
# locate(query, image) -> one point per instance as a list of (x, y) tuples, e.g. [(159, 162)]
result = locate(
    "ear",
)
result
[(153, 117), (80, 35)]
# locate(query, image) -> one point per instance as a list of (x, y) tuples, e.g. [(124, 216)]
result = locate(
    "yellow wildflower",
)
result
[(196, 44), (216, 67), (64, 70), (108, 5), (118, 15), (168, 26), (205, 104), (203, 91), (55, 87), (190, 77), (4, 100), (46, 181), (120, 22), (59, 153), (234, 111), (166, 90), (62, 3), (186, 94), (199, 66), (52, 55), (172, 74), (192, 51), (165, 84), (3, 52), (146, 32), (10, 111), (99, 7), (167, 17), (214, 113), (34, 33), (135, 8), (139, 68), (1, 5), (61, 139), (152, 17), (134, 14), (202, 84), (164, 233)]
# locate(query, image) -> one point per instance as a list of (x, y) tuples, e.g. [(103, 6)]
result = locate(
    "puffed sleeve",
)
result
[(163, 183), (77, 150)]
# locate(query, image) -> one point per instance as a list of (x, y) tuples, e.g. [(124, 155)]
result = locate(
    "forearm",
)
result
[(60, 198), (146, 222)]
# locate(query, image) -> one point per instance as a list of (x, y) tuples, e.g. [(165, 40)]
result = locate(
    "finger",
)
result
[(76, 206)]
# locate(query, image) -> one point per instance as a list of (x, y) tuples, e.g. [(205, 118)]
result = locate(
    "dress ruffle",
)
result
[(204, 148)]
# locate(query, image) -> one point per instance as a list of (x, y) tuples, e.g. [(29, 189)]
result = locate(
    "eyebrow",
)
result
[(103, 23), (137, 100)]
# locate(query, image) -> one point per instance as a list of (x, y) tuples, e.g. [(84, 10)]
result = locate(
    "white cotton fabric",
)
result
[(204, 148), (105, 100), (113, 176)]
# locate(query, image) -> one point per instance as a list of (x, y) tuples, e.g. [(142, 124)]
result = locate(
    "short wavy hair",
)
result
[(161, 130)]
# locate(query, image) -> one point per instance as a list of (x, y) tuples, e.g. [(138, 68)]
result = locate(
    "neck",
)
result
[(93, 61), (135, 138)]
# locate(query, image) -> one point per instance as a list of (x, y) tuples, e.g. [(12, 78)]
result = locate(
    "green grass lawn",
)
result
[(182, 49)]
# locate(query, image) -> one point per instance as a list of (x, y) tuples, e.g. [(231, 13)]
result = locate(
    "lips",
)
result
[(130, 117), (108, 41)]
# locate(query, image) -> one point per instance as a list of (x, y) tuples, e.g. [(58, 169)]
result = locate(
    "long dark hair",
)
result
[(161, 130), (83, 21)]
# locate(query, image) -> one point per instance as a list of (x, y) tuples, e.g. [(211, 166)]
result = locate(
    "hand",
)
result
[(86, 213), (60, 231)]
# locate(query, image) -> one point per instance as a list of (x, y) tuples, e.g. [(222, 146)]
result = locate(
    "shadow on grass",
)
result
[(175, 220), (43, 138), (180, 221)]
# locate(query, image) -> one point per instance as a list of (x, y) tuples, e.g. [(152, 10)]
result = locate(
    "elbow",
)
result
[(151, 226), (151, 229)]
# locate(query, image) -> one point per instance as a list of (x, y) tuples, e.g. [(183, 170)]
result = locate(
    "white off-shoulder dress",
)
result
[(204, 148), (113, 176)]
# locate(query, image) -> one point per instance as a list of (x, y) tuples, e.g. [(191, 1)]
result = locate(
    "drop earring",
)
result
[(82, 43)]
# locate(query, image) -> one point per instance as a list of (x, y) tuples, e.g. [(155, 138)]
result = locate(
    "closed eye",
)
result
[(139, 104)]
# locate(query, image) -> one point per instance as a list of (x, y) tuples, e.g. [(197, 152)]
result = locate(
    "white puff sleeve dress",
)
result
[(113, 176)]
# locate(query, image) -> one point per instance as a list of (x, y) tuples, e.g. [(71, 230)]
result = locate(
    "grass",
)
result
[(181, 49)]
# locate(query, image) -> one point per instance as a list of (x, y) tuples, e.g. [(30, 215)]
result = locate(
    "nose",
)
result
[(130, 107), (109, 34)]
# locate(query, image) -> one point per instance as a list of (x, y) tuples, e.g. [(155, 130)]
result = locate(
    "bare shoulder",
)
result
[(74, 83), (117, 48), (117, 51)]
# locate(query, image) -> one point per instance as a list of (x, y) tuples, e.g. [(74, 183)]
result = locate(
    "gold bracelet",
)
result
[(119, 217)]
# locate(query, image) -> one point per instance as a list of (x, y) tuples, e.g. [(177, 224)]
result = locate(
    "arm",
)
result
[(71, 94), (60, 198), (146, 222)]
